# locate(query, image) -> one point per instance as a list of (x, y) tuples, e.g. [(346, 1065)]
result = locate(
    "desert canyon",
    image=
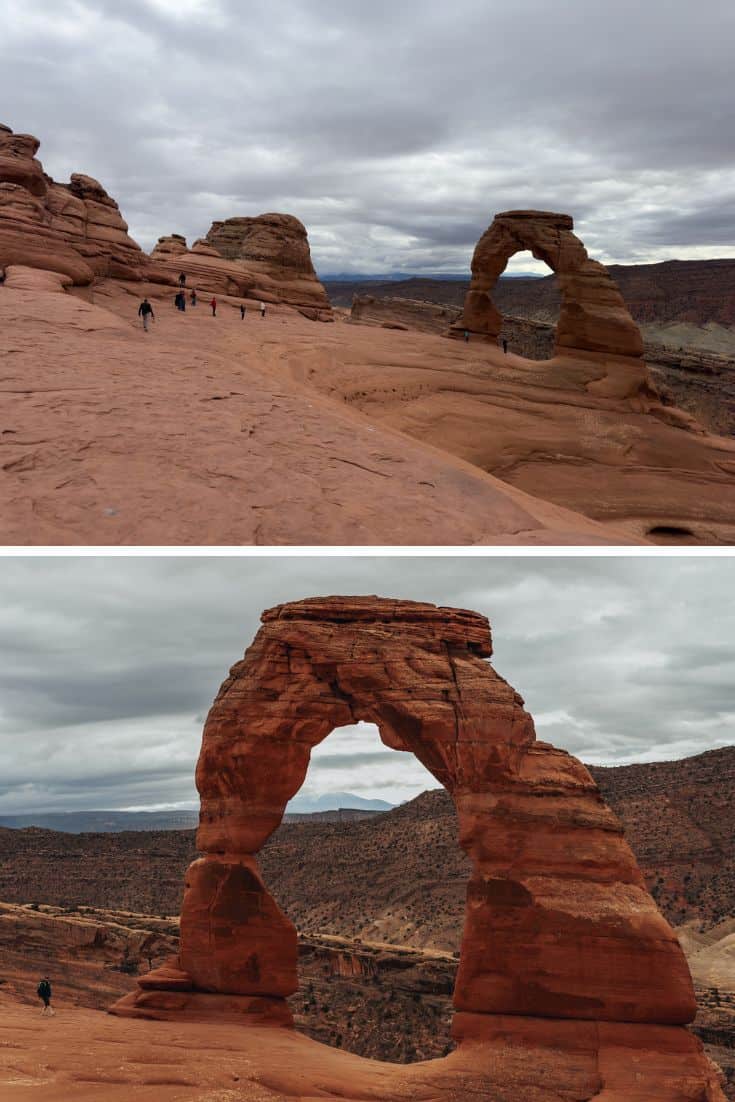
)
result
[(570, 983), (300, 428)]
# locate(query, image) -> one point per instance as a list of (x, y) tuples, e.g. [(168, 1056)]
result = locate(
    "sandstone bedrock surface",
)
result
[(563, 947)]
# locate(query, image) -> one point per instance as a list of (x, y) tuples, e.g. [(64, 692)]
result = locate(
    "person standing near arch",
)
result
[(213, 304), (182, 279), (262, 309), (242, 311)]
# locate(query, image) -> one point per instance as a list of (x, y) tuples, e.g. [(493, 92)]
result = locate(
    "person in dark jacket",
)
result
[(213, 304), (242, 311), (182, 279), (145, 311), (505, 346), (193, 296), (44, 993)]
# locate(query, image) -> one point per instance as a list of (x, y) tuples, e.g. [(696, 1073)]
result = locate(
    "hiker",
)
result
[(262, 309), (467, 336), (505, 346), (213, 304), (44, 989), (145, 311), (242, 311), (193, 296), (182, 279), (180, 301)]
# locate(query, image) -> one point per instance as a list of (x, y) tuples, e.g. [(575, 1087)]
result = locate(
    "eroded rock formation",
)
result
[(75, 229), (169, 247), (558, 924), (265, 258), (593, 316)]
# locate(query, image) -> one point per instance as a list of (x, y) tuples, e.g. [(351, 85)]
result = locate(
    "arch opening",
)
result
[(373, 899), (528, 298)]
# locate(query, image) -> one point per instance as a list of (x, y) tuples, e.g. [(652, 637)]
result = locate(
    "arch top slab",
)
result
[(558, 921), (593, 316)]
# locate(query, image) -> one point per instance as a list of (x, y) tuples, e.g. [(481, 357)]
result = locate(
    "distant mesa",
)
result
[(77, 231), (563, 951), (593, 316), (335, 801), (402, 313), (113, 822)]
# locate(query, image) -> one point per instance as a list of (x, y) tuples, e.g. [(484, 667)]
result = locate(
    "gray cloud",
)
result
[(395, 131), (108, 665)]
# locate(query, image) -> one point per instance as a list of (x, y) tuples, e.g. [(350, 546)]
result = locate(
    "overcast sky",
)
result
[(393, 130), (108, 666)]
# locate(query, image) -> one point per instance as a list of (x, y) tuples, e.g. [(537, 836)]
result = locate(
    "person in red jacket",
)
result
[(213, 304)]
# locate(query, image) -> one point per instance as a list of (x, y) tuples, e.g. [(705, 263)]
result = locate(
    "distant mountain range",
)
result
[(334, 801), (113, 822), (397, 277)]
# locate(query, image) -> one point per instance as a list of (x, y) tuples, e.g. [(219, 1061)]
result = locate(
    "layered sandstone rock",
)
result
[(593, 316), (402, 313), (558, 925), (167, 248), (265, 258), (75, 229)]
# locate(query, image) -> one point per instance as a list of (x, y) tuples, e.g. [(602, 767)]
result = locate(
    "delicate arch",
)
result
[(593, 316), (558, 921)]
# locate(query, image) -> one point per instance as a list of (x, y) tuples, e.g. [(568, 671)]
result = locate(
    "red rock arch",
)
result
[(558, 922), (593, 316)]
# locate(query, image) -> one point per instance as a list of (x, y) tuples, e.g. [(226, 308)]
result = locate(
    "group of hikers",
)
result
[(145, 310)]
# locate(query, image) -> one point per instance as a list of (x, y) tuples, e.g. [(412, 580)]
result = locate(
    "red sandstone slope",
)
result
[(196, 433)]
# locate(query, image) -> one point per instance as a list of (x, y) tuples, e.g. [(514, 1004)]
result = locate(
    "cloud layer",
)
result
[(394, 131), (108, 666)]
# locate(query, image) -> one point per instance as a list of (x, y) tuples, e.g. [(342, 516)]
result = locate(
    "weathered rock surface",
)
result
[(593, 316), (266, 258), (84, 1055), (562, 429), (75, 229), (558, 925), (402, 313), (168, 248), (199, 432)]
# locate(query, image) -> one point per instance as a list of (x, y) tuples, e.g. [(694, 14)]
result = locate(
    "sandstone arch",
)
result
[(593, 316), (558, 922)]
